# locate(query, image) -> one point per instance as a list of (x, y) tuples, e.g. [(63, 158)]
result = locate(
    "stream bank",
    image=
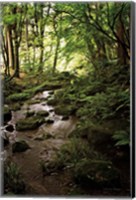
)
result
[(56, 142)]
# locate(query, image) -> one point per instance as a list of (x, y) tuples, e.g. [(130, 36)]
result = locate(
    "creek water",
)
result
[(59, 183)]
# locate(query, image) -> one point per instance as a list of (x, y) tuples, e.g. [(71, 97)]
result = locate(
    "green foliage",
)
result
[(122, 138), (96, 173), (13, 181), (73, 151)]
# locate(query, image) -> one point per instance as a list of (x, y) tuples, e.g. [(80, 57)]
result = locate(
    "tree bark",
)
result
[(10, 48), (56, 55)]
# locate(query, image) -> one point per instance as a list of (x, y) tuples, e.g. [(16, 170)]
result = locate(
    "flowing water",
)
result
[(59, 183)]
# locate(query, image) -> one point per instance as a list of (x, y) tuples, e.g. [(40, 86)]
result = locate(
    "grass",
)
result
[(13, 181)]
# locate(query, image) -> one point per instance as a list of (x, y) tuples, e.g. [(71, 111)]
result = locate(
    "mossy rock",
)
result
[(49, 121), (53, 86), (7, 114), (29, 123), (65, 117), (33, 101), (96, 173), (51, 92), (44, 136), (65, 110), (19, 96), (30, 113), (20, 146), (42, 113), (52, 102)]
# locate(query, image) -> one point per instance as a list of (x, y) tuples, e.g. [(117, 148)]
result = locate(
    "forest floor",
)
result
[(58, 147)]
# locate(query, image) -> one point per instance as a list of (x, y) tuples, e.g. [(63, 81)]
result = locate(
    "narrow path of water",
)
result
[(29, 161)]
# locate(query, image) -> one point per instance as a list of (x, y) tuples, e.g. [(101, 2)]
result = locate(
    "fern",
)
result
[(122, 138)]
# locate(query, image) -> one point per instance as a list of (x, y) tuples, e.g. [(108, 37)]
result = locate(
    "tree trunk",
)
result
[(56, 55), (10, 48), (41, 38), (16, 58)]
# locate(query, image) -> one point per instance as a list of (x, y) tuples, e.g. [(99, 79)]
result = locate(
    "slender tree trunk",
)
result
[(27, 39), (56, 55), (10, 48), (41, 38), (16, 58)]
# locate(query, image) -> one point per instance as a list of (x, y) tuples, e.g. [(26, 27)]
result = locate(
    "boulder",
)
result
[(10, 128), (43, 136), (30, 113), (43, 113), (65, 110), (20, 146), (49, 121), (29, 123), (7, 114), (52, 102), (65, 117)]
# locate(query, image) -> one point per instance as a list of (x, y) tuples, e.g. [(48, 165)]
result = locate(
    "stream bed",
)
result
[(42, 149)]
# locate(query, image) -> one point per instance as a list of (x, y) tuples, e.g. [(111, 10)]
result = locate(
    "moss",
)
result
[(65, 109), (19, 96), (96, 173), (20, 146), (73, 151), (30, 113), (52, 102), (29, 123), (44, 136), (83, 111), (33, 101), (65, 117), (43, 113), (49, 121), (15, 106)]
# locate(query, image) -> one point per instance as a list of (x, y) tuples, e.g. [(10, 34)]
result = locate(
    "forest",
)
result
[(65, 74)]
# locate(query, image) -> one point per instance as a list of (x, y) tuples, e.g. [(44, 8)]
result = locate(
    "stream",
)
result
[(58, 183)]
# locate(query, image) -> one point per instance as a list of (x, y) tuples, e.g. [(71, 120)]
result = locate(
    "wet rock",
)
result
[(65, 117), (30, 113), (49, 121), (7, 114), (97, 173), (34, 101), (44, 136), (10, 128), (51, 110), (51, 92), (20, 146), (43, 113), (29, 123), (52, 102), (65, 110), (43, 104)]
